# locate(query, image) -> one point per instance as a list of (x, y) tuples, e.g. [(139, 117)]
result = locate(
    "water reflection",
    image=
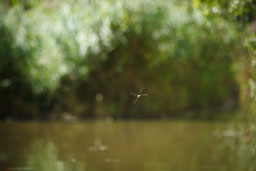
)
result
[(43, 156), (122, 145), (112, 160), (98, 146)]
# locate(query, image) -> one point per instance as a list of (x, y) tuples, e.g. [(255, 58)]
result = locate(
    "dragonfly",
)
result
[(137, 95)]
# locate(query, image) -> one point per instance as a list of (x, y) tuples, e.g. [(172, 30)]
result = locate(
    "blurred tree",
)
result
[(243, 14), (66, 56)]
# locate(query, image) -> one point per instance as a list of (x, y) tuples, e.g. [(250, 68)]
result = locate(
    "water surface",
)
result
[(121, 145)]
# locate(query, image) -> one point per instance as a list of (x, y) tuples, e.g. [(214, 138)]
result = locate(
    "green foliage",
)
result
[(247, 140), (243, 12), (67, 52), (182, 62)]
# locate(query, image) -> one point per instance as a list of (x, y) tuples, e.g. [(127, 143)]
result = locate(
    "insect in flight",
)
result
[(137, 95)]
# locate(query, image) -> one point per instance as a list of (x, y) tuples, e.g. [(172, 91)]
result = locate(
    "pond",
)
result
[(121, 145)]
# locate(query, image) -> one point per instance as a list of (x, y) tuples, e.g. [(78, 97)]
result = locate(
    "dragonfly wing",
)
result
[(140, 90), (135, 100), (133, 94)]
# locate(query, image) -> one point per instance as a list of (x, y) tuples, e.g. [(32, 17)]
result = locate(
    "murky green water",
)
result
[(121, 145)]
